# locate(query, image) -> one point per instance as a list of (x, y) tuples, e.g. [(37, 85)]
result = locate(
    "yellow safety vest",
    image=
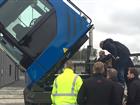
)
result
[(65, 88)]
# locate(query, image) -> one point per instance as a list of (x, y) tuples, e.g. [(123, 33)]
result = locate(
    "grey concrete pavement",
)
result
[(12, 94)]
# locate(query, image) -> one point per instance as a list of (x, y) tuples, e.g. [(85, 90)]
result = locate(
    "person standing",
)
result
[(108, 60), (133, 87), (121, 54), (102, 55), (66, 86), (96, 90), (118, 88)]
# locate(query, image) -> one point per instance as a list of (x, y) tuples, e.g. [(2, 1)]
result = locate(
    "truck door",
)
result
[(26, 23)]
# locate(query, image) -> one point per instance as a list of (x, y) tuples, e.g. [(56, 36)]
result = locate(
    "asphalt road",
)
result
[(12, 94), (11, 102)]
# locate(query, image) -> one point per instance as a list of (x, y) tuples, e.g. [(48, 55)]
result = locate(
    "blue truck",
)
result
[(40, 36)]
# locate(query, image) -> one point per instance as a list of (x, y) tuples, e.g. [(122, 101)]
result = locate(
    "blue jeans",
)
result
[(121, 78), (121, 67)]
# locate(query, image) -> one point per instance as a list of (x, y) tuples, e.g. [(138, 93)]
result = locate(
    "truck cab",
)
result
[(40, 36), (26, 23)]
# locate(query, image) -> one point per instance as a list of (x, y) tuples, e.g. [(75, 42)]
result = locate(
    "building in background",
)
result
[(9, 71)]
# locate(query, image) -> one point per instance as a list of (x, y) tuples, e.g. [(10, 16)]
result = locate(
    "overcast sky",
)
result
[(116, 19)]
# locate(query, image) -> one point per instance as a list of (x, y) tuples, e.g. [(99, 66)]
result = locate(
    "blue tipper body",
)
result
[(2, 2), (70, 27)]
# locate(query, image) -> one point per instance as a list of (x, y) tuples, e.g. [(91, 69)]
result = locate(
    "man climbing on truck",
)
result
[(122, 56)]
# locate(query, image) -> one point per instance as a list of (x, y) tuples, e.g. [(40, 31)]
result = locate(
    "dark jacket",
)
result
[(115, 48), (107, 58), (134, 92), (129, 64), (96, 90), (118, 92)]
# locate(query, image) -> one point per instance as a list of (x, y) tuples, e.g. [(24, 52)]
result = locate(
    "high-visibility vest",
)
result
[(65, 88)]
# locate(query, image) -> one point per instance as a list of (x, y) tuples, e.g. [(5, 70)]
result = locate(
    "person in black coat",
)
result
[(133, 87), (108, 59), (121, 53), (129, 64), (96, 90), (102, 55), (118, 88)]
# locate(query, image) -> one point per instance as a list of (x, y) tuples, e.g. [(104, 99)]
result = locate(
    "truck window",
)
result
[(20, 19), (21, 15)]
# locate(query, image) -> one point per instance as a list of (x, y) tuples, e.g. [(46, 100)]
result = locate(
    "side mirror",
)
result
[(2, 2)]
